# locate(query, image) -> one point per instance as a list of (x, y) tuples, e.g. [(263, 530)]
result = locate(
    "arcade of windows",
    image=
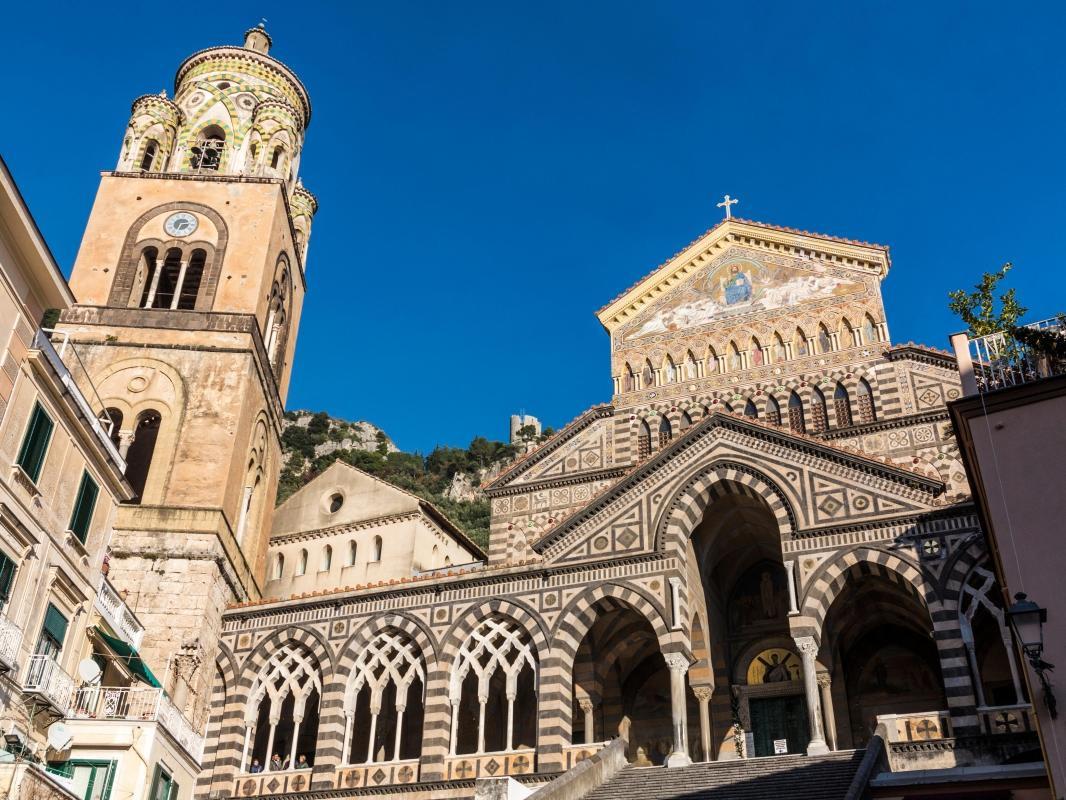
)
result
[(757, 354), (325, 562), (171, 282), (492, 696), (814, 420)]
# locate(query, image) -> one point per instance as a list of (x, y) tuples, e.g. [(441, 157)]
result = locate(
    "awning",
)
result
[(129, 657)]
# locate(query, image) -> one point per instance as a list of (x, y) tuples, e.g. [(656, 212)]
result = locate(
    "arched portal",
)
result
[(880, 653), (620, 675), (736, 547)]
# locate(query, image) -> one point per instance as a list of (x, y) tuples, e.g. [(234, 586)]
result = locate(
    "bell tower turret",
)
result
[(190, 283)]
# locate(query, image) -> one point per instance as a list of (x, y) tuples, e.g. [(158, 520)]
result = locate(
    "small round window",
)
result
[(335, 503)]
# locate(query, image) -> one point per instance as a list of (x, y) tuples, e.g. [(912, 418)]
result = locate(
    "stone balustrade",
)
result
[(118, 615), (490, 765), (10, 641), (387, 773), (916, 727)]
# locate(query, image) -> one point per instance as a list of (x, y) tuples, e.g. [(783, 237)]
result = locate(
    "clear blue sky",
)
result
[(491, 173)]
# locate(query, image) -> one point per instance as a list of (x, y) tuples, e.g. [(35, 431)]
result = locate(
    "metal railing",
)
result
[(999, 360), (46, 678), (118, 615), (10, 641), (141, 703), (62, 360)]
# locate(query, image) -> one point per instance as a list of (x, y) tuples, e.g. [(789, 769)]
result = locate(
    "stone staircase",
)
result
[(794, 777)]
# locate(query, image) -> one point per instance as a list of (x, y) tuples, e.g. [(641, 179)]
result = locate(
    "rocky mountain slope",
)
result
[(449, 477)]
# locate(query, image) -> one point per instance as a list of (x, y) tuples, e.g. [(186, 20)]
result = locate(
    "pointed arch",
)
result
[(757, 358), (669, 370), (799, 344), (773, 410), (647, 375), (691, 371), (869, 329), (735, 361), (823, 587), (865, 400), (825, 341), (777, 351), (282, 709), (643, 439), (713, 365), (630, 378), (796, 422), (750, 410), (841, 406), (666, 431), (819, 414)]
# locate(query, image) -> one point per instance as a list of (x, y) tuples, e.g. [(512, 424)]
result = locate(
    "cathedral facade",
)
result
[(763, 543)]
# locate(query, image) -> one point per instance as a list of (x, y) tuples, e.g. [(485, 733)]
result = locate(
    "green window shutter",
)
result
[(35, 443), (7, 577), (55, 625), (83, 507), (163, 786)]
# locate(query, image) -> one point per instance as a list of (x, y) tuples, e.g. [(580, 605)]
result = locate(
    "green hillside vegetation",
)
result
[(425, 476)]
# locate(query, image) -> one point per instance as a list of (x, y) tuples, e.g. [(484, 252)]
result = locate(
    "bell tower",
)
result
[(190, 282)]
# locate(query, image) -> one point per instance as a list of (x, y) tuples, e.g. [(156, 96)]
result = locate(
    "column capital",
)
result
[(807, 646), (586, 705), (825, 680), (703, 693), (677, 662)]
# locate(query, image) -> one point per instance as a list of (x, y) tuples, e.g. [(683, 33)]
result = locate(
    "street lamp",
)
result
[(1027, 620)]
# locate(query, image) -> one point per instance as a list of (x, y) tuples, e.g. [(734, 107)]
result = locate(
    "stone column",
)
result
[(678, 664), (790, 573), (155, 283), (400, 708), (825, 683), (809, 650), (296, 720), (349, 725), (178, 286), (703, 695), (590, 720), (125, 439)]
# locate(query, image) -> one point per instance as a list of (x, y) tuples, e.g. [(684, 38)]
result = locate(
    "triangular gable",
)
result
[(821, 485), (830, 262), (365, 497), (582, 446)]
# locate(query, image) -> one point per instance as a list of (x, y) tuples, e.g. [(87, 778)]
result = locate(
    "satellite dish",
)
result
[(89, 671), (59, 736)]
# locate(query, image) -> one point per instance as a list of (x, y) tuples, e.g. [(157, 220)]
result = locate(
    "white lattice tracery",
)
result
[(290, 670), (981, 591), (390, 658), (496, 644)]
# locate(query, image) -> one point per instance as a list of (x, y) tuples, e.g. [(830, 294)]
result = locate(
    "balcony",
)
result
[(49, 686), (999, 360), (10, 641), (117, 615), (140, 704), (70, 371)]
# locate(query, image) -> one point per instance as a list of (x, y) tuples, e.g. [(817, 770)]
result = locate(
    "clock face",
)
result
[(180, 224)]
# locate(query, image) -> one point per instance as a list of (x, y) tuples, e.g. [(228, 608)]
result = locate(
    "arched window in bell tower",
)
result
[(207, 152), (139, 456), (151, 149), (189, 288), (276, 156), (165, 282)]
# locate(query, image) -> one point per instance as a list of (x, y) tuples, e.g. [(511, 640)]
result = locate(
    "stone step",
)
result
[(794, 777)]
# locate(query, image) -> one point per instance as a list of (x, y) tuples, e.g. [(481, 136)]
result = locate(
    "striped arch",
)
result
[(369, 630), (313, 641), (581, 613), (968, 555), (225, 756), (526, 617), (827, 582), (684, 511)]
